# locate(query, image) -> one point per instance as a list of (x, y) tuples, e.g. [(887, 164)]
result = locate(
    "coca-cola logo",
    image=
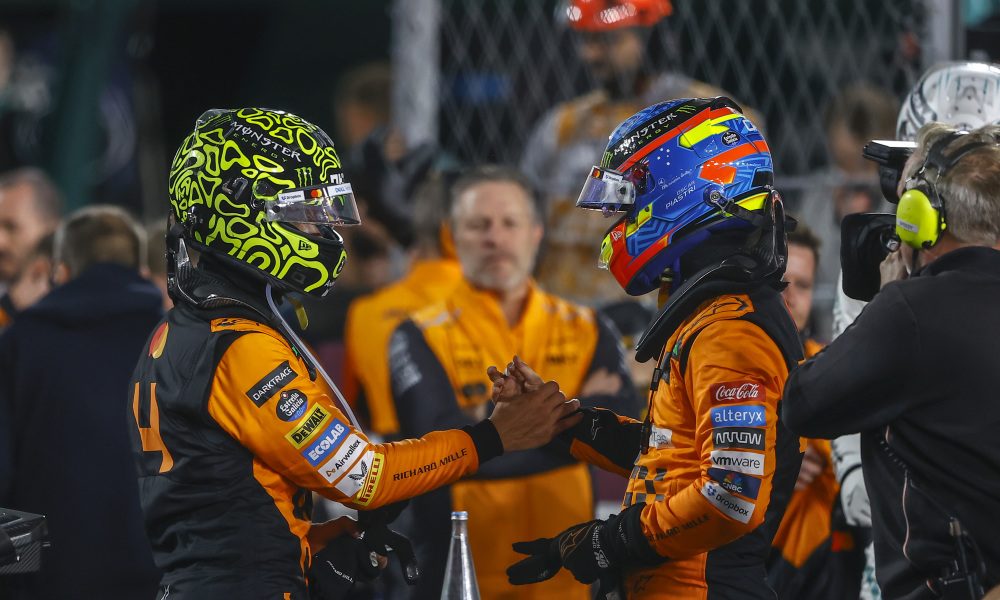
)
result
[(736, 391)]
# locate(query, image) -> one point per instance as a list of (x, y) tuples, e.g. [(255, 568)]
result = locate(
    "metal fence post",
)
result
[(416, 70)]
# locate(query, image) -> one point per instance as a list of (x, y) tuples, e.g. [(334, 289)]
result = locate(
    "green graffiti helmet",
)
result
[(262, 189)]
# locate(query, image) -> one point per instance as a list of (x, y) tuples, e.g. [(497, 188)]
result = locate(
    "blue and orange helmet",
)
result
[(677, 172)]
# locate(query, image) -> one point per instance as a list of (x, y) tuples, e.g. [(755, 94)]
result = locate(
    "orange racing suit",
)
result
[(718, 466), (231, 431)]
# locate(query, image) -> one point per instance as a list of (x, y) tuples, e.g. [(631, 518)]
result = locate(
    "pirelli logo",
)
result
[(371, 484), (307, 427)]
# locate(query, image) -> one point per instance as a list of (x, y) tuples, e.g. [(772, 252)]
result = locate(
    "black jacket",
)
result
[(64, 449), (917, 375)]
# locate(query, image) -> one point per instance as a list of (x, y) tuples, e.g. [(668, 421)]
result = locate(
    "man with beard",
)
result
[(495, 312)]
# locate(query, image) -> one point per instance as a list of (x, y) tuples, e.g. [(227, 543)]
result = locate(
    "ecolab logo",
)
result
[(738, 390), (742, 462), (330, 439), (739, 416)]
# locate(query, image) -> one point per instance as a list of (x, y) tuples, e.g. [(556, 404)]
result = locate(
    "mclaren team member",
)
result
[(496, 312), (233, 423), (711, 468), (371, 319)]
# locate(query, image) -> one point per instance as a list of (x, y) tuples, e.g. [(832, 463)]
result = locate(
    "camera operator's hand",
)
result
[(813, 463), (894, 267), (531, 419)]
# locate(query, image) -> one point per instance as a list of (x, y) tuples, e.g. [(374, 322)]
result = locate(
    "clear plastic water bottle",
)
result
[(460, 574)]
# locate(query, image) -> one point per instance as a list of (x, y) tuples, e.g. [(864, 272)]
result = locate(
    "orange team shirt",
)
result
[(370, 322), (468, 332)]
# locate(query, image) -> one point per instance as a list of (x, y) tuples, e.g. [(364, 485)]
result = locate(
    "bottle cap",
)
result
[(459, 515)]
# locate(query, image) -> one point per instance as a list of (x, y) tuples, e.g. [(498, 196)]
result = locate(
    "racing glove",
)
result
[(379, 538), (336, 567), (604, 439), (592, 551)]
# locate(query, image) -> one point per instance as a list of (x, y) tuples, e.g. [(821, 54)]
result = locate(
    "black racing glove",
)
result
[(336, 567), (592, 551), (379, 538), (619, 442), (579, 549)]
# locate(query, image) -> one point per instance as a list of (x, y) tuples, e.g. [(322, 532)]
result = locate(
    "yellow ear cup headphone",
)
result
[(920, 216)]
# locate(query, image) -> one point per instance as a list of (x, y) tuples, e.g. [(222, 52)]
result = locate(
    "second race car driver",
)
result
[(711, 468), (234, 422)]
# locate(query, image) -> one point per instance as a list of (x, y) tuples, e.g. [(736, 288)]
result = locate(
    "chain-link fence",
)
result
[(503, 63)]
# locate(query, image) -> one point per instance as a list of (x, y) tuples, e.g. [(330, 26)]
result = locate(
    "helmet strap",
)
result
[(729, 206), (308, 357)]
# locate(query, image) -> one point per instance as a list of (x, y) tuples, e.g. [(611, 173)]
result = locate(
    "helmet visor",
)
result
[(328, 204), (606, 190)]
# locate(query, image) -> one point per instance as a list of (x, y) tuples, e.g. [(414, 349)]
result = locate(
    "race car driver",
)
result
[(234, 422), (711, 468)]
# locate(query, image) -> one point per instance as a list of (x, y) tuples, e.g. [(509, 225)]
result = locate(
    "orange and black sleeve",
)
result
[(733, 377), (264, 397)]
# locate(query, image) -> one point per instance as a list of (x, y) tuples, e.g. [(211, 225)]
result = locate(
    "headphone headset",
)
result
[(920, 217)]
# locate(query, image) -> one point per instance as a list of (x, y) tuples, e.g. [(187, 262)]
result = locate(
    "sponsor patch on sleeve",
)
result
[(750, 463), (292, 405), (321, 447), (307, 427), (732, 507), (263, 390), (737, 391), (344, 457), (737, 483), (371, 483), (660, 438), (355, 477), (739, 416), (751, 438)]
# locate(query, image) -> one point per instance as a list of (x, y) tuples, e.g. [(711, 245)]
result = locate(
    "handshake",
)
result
[(528, 412)]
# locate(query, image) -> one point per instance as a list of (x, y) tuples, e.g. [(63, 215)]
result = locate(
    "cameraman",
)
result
[(915, 375)]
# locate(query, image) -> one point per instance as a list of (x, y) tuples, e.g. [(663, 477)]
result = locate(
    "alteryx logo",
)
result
[(739, 416), (327, 443)]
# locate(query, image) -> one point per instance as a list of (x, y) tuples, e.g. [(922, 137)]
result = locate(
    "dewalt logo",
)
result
[(307, 427)]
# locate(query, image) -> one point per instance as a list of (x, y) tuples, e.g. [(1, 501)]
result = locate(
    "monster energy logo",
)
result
[(305, 176)]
